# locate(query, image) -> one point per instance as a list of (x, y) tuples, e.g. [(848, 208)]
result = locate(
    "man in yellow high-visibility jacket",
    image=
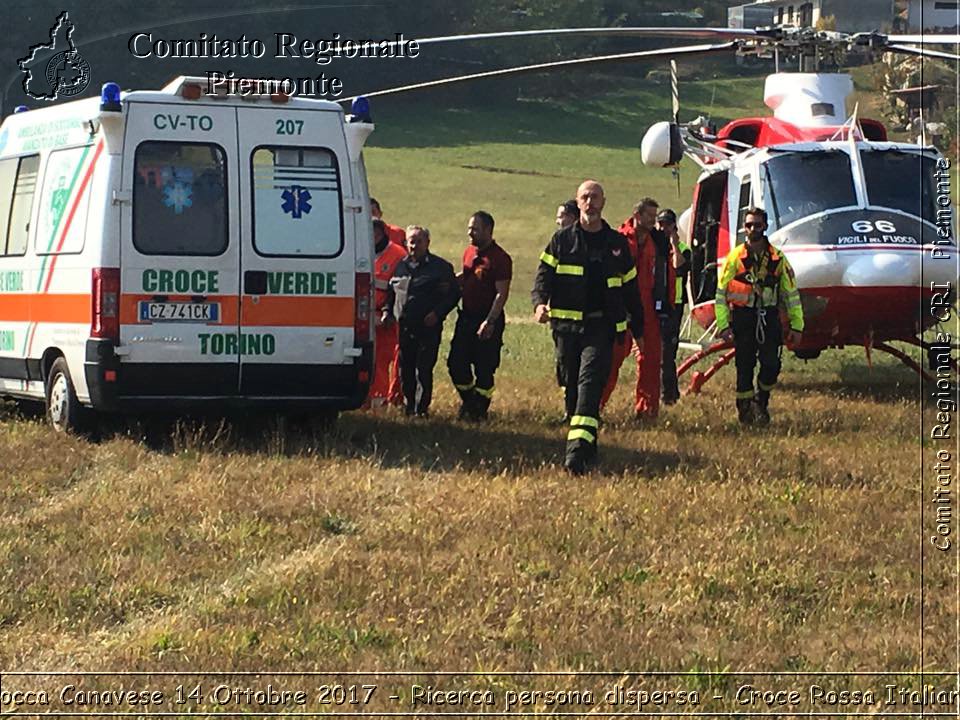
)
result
[(756, 277)]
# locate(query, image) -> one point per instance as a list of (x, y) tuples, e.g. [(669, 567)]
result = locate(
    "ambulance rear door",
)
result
[(298, 255), (180, 252)]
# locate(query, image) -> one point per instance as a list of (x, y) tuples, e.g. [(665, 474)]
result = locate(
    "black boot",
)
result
[(468, 402), (761, 412), (745, 411), (481, 405)]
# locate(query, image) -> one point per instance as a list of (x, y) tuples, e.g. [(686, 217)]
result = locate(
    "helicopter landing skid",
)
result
[(904, 358), (933, 352), (698, 379)]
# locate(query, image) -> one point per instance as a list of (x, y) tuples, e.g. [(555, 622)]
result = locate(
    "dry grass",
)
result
[(388, 544)]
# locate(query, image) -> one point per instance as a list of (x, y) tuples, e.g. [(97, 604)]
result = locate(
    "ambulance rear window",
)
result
[(18, 182), (180, 199), (296, 202)]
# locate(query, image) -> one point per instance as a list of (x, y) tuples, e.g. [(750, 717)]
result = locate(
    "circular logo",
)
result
[(68, 74)]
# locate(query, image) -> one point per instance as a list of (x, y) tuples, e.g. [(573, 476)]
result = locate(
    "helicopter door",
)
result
[(709, 207)]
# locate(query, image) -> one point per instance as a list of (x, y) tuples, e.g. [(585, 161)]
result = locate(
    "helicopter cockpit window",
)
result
[(799, 184), (901, 181)]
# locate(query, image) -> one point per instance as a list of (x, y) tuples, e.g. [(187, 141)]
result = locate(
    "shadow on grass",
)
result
[(433, 445), (882, 384)]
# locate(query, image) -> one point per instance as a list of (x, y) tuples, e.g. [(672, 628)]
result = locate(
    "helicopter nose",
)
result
[(880, 268)]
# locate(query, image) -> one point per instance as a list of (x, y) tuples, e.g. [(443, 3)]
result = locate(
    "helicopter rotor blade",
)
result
[(632, 32), (675, 90), (684, 50), (925, 39), (922, 52)]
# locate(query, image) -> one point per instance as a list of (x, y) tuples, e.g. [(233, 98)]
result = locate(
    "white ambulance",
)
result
[(169, 248)]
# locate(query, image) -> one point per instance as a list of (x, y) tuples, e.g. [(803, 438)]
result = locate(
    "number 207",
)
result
[(289, 127)]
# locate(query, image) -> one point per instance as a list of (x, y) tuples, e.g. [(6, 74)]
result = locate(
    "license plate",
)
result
[(179, 312)]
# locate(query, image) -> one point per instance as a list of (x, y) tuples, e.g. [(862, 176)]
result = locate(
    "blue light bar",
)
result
[(360, 109), (110, 97), (20, 109)]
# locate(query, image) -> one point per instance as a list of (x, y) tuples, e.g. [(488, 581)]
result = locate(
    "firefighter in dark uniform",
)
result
[(475, 349), (423, 291), (585, 286)]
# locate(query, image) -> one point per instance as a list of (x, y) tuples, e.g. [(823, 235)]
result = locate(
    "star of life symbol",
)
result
[(177, 195), (296, 201), (55, 69), (177, 188)]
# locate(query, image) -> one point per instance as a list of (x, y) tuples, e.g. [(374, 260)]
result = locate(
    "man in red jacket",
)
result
[(655, 279)]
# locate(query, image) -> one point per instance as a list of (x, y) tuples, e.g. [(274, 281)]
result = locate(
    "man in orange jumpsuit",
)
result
[(396, 234), (388, 254), (655, 279)]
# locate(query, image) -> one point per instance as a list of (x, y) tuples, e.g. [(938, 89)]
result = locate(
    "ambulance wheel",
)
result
[(64, 411)]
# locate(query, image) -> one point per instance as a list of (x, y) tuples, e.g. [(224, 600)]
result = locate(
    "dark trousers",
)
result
[(583, 362), (757, 336), (670, 343), (472, 362), (419, 347)]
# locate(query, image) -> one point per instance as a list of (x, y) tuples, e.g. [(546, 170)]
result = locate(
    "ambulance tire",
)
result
[(64, 411)]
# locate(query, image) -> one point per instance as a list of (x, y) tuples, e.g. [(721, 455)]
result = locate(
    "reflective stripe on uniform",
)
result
[(569, 269), (614, 282), (581, 435), (622, 326), (561, 314), (464, 388), (629, 275), (549, 259), (486, 392), (744, 394), (584, 420), (739, 298), (765, 387)]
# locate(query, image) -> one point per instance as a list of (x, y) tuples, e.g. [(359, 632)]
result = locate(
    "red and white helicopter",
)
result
[(867, 223)]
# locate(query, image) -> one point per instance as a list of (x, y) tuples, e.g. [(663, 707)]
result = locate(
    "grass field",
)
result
[(387, 544)]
